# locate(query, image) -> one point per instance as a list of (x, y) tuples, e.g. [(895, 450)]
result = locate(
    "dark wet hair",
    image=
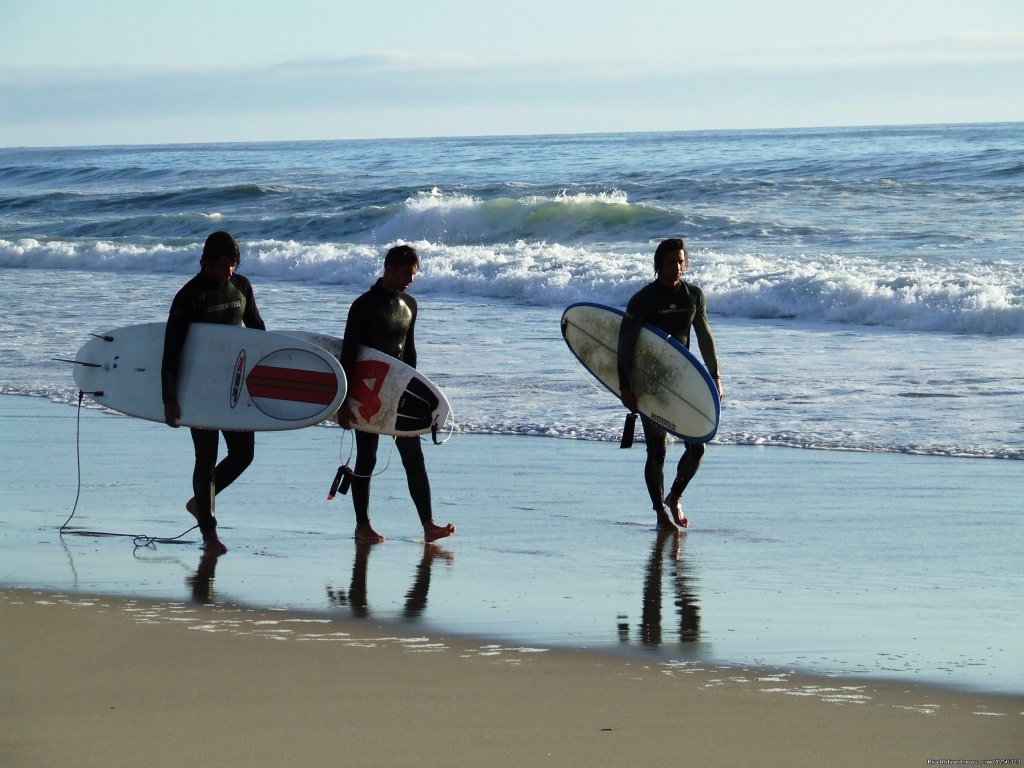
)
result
[(665, 247), (401, 256), (220, 245)]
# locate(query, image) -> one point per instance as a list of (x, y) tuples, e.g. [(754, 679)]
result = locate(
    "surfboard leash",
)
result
[(140, 540), (343, 477)]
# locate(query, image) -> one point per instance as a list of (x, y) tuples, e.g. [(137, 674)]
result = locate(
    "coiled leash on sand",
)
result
[(140, 540)]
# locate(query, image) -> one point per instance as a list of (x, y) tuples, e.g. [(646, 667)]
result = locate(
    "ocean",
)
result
[(865, 285), (866, 291)]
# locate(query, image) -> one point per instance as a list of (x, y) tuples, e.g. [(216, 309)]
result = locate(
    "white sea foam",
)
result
[(917, 294)]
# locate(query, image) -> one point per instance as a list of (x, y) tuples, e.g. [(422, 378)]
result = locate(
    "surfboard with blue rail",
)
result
[(673, 387)]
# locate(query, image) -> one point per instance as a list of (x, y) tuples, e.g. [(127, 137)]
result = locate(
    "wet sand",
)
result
[(109, 682), (800, 621)]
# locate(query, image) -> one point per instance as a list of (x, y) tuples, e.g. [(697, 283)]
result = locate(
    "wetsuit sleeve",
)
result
[(409, 352), (705, 341), (629, 332), (354, 325), (252, 318), (178, 321)]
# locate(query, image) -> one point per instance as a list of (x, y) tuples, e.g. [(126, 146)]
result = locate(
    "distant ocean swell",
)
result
[(908, 294), (792, 216)]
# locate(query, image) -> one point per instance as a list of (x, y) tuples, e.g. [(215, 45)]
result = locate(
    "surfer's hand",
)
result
[(628, 400), (346, 419), (172, 412)]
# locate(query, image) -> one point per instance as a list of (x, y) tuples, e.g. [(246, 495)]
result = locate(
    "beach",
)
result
[(509, 644), (102, 682), (848, 590)]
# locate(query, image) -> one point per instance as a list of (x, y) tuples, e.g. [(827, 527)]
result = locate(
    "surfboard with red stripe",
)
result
[(386, 396), (231, 377)]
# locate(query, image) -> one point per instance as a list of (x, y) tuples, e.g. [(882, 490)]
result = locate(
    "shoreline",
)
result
[(257, 687), (793, 562)]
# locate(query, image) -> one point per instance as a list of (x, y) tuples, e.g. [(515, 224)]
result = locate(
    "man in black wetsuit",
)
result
[(674, 306), (384, 318), (216, 295)]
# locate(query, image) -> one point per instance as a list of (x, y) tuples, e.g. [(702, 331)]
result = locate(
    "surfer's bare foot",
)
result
[(211, 542), (665, 522), (432, 531), (672, 502), (365, 533)]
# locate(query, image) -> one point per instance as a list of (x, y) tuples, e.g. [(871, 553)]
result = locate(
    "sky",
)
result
[(80, 73)]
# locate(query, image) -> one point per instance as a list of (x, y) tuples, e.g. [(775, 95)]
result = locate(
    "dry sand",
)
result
[(111, 682)]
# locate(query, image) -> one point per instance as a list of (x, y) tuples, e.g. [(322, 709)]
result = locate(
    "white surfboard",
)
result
[(387, 396), (231, 377), (673, 388)]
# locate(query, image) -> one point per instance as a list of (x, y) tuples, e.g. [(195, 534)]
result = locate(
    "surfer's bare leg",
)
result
[(432, 531), (674, 509), (208, 527), (665, 522), (689, 463), (365, 533)]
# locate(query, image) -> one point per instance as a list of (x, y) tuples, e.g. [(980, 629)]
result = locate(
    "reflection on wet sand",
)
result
[(355, 597), (668, 546), (201, 582)]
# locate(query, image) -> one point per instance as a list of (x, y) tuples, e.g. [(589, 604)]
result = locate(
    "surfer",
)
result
[(384, 318), (218, 294), (675, 306)]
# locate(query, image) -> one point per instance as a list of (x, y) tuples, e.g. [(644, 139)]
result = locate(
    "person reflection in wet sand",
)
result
[(201, 582), (356, 599), (667, 543)]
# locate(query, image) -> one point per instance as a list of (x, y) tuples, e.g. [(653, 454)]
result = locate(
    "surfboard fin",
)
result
[(628, 430)]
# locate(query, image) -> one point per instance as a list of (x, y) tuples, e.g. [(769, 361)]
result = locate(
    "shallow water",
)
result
[(893, 566)]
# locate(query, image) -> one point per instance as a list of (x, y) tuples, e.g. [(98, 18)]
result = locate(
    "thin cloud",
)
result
[(961, 48)]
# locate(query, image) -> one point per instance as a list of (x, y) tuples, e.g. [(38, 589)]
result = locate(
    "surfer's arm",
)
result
[(706, 343), (629, 331), (409, 351), (252, 318), (352, 338), (174, 339)]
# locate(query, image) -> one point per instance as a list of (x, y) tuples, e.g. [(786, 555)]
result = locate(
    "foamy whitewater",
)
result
[(865, 286)]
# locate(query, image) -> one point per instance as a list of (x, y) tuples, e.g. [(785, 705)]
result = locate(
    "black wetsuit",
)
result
[(386, 322), (676, 311), (202, 300)]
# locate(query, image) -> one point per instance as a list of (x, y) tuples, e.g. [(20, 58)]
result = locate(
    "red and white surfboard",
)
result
[(387, 396), (231, 377)]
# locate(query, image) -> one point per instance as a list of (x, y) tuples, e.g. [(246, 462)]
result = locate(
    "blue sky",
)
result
[(113, 71)]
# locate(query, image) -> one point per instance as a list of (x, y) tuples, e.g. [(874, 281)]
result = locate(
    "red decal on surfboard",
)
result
[(236, 379), (369, 379), (296, 384)]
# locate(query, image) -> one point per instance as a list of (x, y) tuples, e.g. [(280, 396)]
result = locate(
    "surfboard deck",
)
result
[(673, 387), (231, 377), (387, 396)]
